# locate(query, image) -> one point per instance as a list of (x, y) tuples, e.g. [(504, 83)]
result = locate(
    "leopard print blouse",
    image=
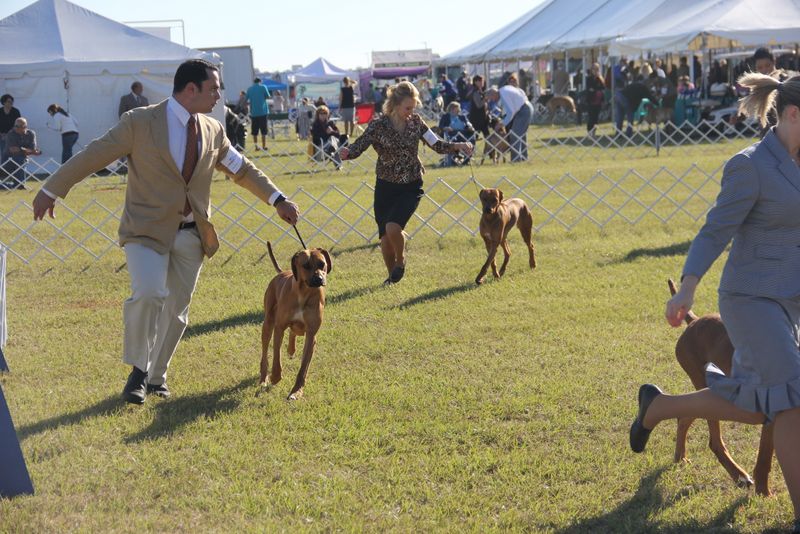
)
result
[(398, 159)]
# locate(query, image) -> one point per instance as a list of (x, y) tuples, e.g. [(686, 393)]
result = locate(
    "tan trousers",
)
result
[(157, 312)]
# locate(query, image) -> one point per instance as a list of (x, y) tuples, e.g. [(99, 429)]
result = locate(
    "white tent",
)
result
[(321, 71), (636, 26), (54, 51), (680, 25)]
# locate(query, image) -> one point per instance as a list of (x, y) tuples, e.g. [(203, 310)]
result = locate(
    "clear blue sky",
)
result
[(288, 33)]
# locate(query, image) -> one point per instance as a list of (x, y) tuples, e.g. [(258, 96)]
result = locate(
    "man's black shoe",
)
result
[(159, 390), (639, 434), (134, 390)]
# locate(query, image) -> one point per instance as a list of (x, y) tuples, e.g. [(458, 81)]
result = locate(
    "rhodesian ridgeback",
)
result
[(295, 300), (499, 216), (705, 341)]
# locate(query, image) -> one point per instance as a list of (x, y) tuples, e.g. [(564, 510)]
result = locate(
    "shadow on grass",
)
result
[(243, 319), (675, 249), (634, 514), (367, 246), (173, 414), (338, 298), (109, 406), (437, 294)]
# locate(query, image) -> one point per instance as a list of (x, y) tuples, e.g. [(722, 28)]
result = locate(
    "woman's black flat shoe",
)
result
[(640, 434)]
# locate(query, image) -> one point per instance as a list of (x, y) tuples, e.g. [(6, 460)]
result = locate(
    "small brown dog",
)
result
[(706, 341), (495, 146), (498, 218), (295, 300)]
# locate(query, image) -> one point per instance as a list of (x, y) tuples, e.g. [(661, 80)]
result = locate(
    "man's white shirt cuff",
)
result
[(274, 196)]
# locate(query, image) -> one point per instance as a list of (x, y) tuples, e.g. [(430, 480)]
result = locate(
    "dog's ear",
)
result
[(500, 195), (324, 252), (294, 264)]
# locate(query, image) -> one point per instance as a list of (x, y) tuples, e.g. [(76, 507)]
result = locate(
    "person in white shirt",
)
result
[(63, 122), (518, 113)]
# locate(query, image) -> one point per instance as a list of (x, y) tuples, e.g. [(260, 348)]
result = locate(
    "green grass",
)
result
[(433, 405)]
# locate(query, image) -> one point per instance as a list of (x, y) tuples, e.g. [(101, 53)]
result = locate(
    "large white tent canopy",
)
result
[(636, 26), (54, 51), (321, 71)]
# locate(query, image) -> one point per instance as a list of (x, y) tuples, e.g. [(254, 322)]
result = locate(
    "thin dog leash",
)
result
[(298, 236)]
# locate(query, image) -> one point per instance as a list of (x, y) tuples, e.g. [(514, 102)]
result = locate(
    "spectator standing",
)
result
[(134, 99), (478, 112), (560, 80), (64, 123), (8, 116), (517, 119), (347, 105), (621, 75), (20, 143), (659, 69), (257, 95), (595, 95), (683, 67), (242, 106), (398, 186), (462, 87), (305, 114), (447, 90), (630, 97), (278, 102)]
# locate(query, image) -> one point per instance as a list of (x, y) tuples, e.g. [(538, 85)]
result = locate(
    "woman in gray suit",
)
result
[(759, 293)]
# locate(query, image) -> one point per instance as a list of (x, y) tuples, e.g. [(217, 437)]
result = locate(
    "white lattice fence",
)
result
[(338, 217), (288, 156)]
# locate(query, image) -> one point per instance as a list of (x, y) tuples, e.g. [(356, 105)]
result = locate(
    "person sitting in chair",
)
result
[(456, 128), (326, 136)]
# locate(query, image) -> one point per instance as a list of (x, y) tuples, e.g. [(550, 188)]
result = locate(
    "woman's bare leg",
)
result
[(702, 404)]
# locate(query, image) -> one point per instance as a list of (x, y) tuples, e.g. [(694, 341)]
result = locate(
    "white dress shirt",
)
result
[(511, 100)]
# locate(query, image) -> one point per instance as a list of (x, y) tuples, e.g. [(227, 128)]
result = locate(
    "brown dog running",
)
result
[(495, 146), (295, 300), (498, 218), (706, 341)]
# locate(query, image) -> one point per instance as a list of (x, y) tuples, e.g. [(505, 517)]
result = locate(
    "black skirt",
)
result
[(395, 203)]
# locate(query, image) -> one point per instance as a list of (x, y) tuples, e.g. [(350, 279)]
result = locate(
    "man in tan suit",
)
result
[(172, 151), (134, 99)]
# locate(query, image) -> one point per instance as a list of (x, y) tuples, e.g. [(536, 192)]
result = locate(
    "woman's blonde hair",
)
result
[(397, 93), (767, 93), (321, 109)]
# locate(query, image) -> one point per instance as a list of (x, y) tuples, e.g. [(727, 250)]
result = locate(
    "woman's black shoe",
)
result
[(639, 434)]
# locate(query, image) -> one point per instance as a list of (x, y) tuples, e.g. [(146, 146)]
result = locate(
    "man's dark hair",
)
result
[(6, 97), (135, 85), (256, 80), (763, 53), (192, 71)]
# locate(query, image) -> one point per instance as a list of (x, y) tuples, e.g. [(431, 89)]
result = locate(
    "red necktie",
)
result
[(190, 159)]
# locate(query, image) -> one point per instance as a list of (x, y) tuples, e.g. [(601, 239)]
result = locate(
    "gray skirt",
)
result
[(347, 114), (765, 372)]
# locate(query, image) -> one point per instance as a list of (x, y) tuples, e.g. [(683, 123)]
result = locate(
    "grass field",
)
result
[(431, 406)]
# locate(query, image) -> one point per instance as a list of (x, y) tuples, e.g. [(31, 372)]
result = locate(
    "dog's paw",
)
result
[(745, 481), (479, 280), (295, 395)]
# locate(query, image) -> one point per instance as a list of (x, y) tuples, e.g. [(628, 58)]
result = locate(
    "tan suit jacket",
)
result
[(156, 191)]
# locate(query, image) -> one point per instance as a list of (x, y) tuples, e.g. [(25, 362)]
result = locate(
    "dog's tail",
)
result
[(275, 263), (690, 315)]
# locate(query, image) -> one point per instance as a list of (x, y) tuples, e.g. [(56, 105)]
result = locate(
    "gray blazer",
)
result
[(759, 208), (128, 102)]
